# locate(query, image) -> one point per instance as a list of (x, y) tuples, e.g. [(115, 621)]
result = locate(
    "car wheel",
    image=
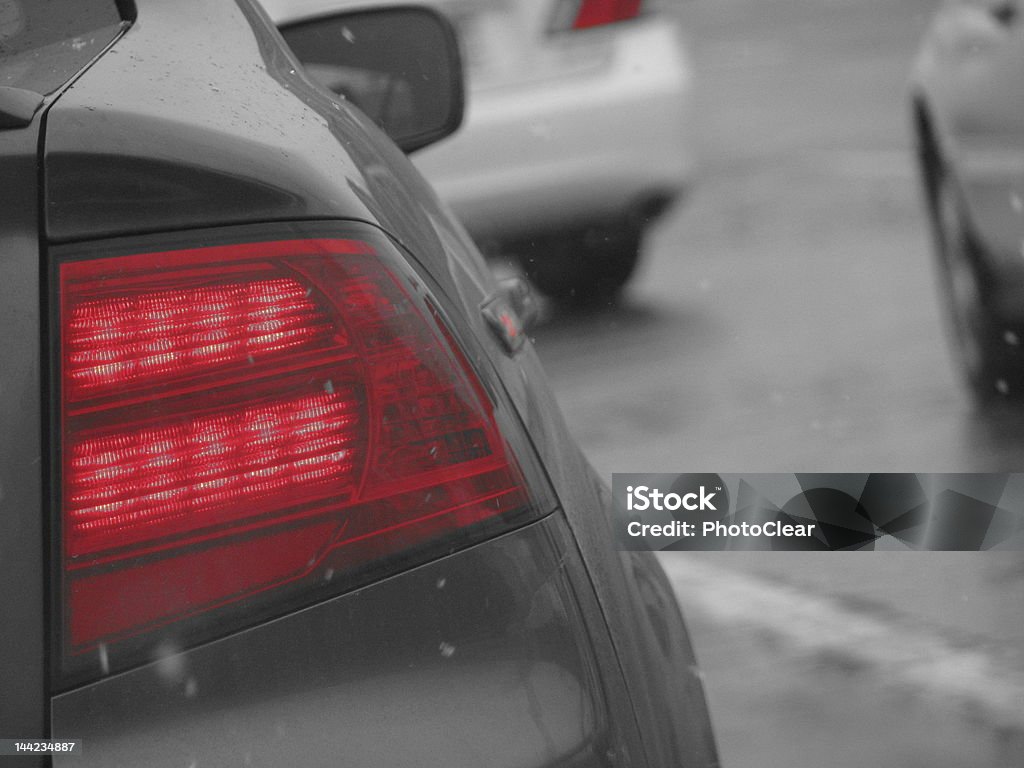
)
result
[(985, 348), (587, 268)]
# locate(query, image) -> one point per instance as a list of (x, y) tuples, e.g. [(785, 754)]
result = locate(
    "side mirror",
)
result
[(400, 65)]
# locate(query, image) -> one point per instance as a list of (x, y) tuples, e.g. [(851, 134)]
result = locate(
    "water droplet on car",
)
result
[(441, 582), (170, 664), (1002, 387), (1011, 338)]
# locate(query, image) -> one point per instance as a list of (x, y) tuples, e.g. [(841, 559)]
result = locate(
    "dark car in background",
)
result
[(281, 480), (968, 118)]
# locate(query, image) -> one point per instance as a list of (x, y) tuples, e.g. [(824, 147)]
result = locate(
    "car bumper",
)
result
[(586, 147), (496, 655)]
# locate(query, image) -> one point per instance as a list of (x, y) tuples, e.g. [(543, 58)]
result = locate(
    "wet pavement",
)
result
[(785, 319), (859, 659), (779, 709)]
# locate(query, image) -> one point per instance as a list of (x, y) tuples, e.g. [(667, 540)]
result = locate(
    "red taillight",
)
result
[(138, 482), (584, 14), (243, 424), (148, 335)]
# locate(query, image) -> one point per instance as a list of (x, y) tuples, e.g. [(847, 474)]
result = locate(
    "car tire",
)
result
[(984, 346), (590, 267)]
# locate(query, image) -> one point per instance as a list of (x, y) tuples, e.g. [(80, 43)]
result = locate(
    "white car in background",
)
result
[(576, 136)]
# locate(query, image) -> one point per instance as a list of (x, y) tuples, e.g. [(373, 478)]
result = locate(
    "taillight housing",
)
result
[(256, 423), (586, 14)]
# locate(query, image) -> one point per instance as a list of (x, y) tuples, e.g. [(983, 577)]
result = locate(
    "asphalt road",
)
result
[(785, 317), (847, 660)]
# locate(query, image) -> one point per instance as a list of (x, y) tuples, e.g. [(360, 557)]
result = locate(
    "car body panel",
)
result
[(476, 658), (596, 644), (23, 704), (175, 160), (24, 531), (124, 158)]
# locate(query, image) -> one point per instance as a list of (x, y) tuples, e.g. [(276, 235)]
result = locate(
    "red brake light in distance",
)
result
[(241, 424), (585, 14)]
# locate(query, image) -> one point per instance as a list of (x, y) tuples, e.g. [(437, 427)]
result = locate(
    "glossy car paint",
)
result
[(24, 529), (23, 704), (418, 669), (967, 95), (546, 625)]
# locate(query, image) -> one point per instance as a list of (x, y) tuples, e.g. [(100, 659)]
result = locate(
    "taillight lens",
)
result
[(585, 14), (248, 427)]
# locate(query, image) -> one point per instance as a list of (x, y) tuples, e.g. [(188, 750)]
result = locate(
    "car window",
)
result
[(43, 43)]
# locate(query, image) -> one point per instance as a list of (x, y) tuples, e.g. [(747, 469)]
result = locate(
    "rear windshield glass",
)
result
[(44, 43)]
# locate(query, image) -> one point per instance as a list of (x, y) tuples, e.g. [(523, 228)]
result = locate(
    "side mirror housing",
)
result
[(399, 64)]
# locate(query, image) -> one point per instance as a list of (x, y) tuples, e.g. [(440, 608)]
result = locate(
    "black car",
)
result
[(968, 120), (281, 479)]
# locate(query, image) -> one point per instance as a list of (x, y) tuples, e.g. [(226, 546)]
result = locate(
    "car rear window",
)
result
[(44, 43)]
